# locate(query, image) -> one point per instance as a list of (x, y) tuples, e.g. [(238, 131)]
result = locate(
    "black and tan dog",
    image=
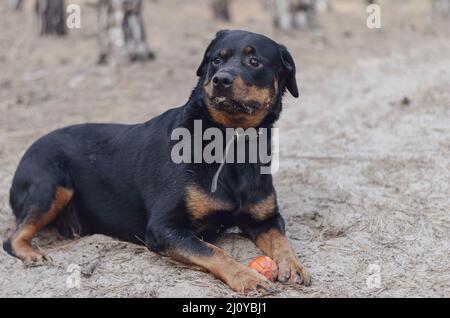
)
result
[(120, 180)]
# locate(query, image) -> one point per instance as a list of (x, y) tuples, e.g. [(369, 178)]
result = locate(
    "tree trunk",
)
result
[(15, 4), (288, 14), (221, 9), (121, 23), (440, 8), (52, 16)]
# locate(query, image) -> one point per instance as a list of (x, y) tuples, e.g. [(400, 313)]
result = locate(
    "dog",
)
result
[(119, 180)]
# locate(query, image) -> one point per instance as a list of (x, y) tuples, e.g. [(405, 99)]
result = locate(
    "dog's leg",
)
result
[(134, 31), (269, 236), (19, 244), (276, 245), (189, 249), (111, 17)]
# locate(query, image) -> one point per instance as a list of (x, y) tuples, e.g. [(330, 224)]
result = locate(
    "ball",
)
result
[(265, 266)]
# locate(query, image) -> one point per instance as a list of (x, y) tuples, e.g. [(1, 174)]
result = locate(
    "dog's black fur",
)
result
[(123, 180)]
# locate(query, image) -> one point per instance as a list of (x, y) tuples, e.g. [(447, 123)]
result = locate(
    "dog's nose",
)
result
[(222, 80)]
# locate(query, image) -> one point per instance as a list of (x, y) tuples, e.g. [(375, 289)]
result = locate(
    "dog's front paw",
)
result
[(291, 271), (36, 258), (26, 253), (248, 280)]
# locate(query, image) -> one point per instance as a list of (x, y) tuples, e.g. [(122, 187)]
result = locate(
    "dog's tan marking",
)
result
[(241, 92), (277, 246), (263, 209), (251, 93), (208, 88), (200, 204), (249, 50), (223, 53), (276, 86), (21, 239), (234, 120), (239, 277)]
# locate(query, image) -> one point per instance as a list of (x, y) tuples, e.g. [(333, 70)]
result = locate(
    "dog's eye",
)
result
[(254, 62), (217, 61)]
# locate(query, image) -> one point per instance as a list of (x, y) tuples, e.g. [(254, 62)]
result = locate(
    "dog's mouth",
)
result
[(232, 106)]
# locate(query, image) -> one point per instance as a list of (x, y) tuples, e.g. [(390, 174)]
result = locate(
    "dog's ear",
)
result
[(288, 71), (206, 56)]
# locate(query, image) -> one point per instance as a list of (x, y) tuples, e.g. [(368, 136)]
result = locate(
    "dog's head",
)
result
[(243, 77)]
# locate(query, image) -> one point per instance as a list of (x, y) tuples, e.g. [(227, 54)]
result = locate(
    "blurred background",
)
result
[(365, 151), (47, 71)]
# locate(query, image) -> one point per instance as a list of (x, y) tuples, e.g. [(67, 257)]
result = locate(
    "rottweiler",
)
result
[(121, 180)]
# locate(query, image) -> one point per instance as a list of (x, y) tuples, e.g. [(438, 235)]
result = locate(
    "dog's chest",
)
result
[(209, 212)]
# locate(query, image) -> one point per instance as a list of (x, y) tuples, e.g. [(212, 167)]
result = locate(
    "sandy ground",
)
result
[(364, 179)]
